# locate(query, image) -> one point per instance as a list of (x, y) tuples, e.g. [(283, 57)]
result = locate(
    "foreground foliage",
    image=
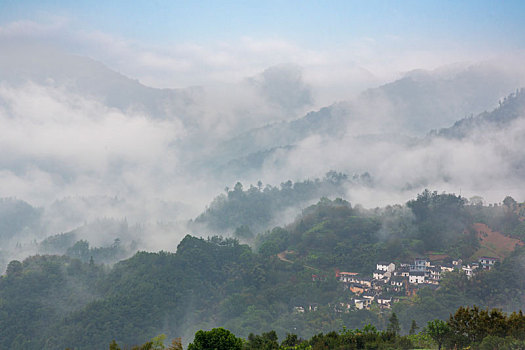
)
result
[(470, 328)]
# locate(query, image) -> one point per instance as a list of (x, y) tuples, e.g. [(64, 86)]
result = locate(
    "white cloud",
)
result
[(59, 142), (54, 25), (76, 139)]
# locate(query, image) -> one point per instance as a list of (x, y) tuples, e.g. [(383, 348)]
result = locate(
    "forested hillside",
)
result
[(219, 282), (271, 175), (510, 109), (332, 233), (258, 208)]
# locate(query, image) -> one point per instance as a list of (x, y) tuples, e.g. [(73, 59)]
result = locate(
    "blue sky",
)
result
[(315, 23)]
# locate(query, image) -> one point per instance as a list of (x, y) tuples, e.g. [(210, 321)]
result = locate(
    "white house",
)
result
[(312, 307), (420, 264), (379, 275), (368, 296), (365, 281), (416, 277), (468, 270), (435, 273), (487, 262), (384, 301), (298, 309), (397, 283), (402, 271), (346, 277), (385, 266), (447, 268)]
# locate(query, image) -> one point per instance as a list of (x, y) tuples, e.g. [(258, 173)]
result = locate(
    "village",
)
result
[(390, 283)]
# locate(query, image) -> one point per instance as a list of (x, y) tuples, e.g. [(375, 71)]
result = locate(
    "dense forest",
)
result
[(470, 328), (56, 302), (248, 211), (20, 224)]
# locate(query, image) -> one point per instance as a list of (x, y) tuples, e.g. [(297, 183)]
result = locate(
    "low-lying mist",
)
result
[(82, 144)]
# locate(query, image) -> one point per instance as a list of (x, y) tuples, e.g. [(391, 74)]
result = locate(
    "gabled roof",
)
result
[(417, 273), (366, 278), (398, 279)]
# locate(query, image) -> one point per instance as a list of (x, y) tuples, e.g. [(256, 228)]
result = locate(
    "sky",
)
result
[(312, 23), (185, 43)]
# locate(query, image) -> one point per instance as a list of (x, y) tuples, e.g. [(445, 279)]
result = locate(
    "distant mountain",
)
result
[(87, 77), (326, 121), (413, 105), (424, 100), (17, 216), (510, 108)]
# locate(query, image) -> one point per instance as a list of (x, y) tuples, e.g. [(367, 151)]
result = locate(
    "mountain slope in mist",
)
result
[(84, 76), (17, 216), (219, 282), (85, 136), (257, 209), (510, 108), (486, 159), (413, 105)]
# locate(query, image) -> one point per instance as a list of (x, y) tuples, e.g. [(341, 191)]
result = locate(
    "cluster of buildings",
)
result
[(390, 282)]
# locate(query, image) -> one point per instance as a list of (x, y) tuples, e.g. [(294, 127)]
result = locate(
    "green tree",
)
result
[(158, 342), (438, 330), (114, 345), (266, 341), (14, 268), (510, 202), (413, 328), (216, 339), (176, 344), (393, 324), (291, 340)]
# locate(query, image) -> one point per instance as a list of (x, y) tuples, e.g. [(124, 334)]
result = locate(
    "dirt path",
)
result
[(282, 257)]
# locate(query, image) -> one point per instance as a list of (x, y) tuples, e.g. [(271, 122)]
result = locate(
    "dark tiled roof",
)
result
[(417, 273)]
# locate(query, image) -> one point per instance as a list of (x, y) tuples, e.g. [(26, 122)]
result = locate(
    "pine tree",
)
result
[(413, 328), (114, 345), (393, 324)]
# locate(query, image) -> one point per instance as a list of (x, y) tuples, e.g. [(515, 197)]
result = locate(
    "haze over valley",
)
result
[(105, 146), (142, 134)]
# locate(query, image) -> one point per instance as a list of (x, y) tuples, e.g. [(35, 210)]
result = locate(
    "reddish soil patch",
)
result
[(436, 257), (494, 241)]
